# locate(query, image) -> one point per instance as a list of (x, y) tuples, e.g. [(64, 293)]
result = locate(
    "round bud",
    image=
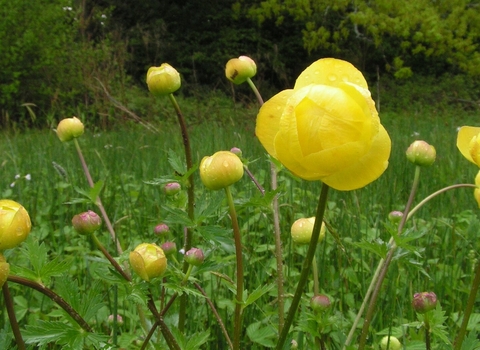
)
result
[(320, 303), (169, 248), (424, 302), (395, 216), (148, 261), (238, 70), (70, 128), (15, 224), (162, 229), (119, 320), (221, 170), (194, 257), (4, 270), (86, 223), (393, 343), (302, 229), (172, 188), (163, 80), (237, 151), (421, 153)]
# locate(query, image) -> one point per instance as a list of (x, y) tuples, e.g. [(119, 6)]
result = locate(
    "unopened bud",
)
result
[(395, 216), (148, 261), (238, 70), (163, 80), (86, 223), (424, 302), (392, 342), (4, 270), (162, 229), (169, 248), (172, 188), (194, 257), (320, 303), (119, 320), (302, 230), (421, 153), (237, 151), (293, 344), (15, 224), (221, 170), (70, 128)]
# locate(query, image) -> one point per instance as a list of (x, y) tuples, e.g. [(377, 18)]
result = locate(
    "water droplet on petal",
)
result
[(332, 77)]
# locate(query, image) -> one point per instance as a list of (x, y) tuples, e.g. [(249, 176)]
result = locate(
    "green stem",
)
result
[(98, 201), (386, 264), (307, 263), (316, 288), (238, 252), (457, 345), (255, 91), (427, 332), (110, 258), (190, 202), (11, 316), (53, 296)]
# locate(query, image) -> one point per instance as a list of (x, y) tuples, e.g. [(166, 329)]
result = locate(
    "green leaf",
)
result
[(45, 332), (177, 216), (265, 335), (378, 247), (196, 340), (176, 162), (257, 293)]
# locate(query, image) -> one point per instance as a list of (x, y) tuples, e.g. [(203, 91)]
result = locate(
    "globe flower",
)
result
[(468, 143), (172, 188), (148, 261), (15, 224), (70, 128), (238, 70), (302, 229), (162, 229), (169, 248), (476, 192), (86, 223), (163, 80), (424, 302), (320, 302), (221, 170), (194, 257), (421, 153), (4, 270), (393, 343), (326, 128)]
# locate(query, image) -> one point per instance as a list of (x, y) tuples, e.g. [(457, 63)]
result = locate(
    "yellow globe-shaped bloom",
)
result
[(468, 143), (15, 224), (148, 261), (326, 128), (163, 80)]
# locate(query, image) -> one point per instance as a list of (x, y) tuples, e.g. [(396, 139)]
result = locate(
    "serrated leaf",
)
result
[(177, 216), (378, 247), (257, 293), (176, 162), (196, 340), (262, 334), (45, 332), (471, 342)]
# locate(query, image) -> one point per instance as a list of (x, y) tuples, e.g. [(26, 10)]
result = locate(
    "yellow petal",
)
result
[(268, 120), (330, 71), (465, 135), (367, 169)]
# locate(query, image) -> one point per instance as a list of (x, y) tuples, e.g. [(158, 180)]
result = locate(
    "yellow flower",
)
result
[(326, 128), (302, 230), (238, 70), (148, 261), (476, 192), (468, 142), (70, 128), (15, 224), (4, 270), (163, 80), (221, 170)]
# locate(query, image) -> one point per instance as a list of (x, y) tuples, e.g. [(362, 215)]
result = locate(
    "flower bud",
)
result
[(4, 270), (15, 224), (163, 80), (237, 151), (148, 261), (162, 229), (293, 344), (395, 216), (421, 153), (424, 302), (194, 257), (172, 188), (221, 170), (69, 128), (476, 192), (169, 248), (87, 222), (320, 303), (119, 320), (302, 230), (393, 343), (238, 70)]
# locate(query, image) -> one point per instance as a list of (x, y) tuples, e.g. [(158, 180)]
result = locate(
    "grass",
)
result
[(128, 158)]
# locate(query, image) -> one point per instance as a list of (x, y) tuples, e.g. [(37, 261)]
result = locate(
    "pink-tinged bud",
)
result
[(424, 302), (163, 80), (70, 128), (119, 320), (86, 223), (302, 229), (320, 303), (392, 342), (4, 270), (169, 248), (238, 70), (194, 257), (237, 151), (148, 261), (395, 216), (162, 229), (421, 153), (15, 224), (293, 344), (221, 170), (172, 188)]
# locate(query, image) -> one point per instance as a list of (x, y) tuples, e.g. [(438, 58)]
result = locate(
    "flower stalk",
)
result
[(11, 316)]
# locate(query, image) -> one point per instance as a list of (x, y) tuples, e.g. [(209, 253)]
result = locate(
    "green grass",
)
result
[(128, 158)]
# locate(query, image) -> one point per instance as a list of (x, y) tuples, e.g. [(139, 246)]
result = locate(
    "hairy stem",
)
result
[(307, 263), (11, 316), (110, 258)]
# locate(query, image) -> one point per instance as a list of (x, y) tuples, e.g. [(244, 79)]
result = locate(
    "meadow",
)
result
[(134, 163)]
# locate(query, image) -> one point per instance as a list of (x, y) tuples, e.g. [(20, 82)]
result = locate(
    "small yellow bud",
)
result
[(70, 128), (15, 224), (4, 270), (221, 170), (421, 153), (148, 261), (393, 343), (302, 230), (163, 80), (238, 70)]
